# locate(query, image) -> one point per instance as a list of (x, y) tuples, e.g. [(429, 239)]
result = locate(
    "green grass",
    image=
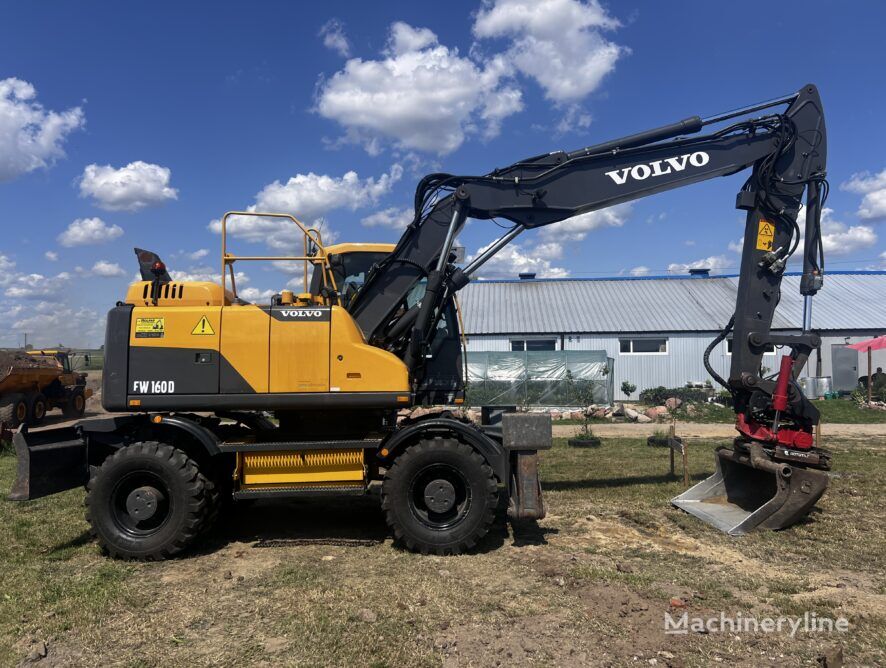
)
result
[(611, 536), (846, 411)]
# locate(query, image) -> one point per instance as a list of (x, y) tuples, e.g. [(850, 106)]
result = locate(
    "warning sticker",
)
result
[(765, 235), (203, 328), (150, 328)]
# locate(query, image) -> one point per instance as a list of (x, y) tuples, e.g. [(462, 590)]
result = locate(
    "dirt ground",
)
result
[(319, 583), (702, 430)]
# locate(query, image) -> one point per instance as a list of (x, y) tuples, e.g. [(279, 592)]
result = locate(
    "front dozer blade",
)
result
[(49, 461), (742, 495)]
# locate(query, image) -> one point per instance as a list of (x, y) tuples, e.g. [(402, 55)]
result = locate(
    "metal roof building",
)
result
[(656, 328)]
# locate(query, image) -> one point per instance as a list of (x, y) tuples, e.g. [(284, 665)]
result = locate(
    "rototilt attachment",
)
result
[(752, 488)]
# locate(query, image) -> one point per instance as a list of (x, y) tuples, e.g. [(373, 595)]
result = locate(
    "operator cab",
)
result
[(350, 264)]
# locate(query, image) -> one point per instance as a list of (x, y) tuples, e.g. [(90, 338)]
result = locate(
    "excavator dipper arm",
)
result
[(786, 151)]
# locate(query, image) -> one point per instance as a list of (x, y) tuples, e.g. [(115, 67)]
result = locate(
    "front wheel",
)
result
[(147, 501), (36, 408), (439, 496), (76, 405)]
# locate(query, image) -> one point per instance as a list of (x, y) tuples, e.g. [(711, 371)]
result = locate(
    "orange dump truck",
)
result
[(38, 381)]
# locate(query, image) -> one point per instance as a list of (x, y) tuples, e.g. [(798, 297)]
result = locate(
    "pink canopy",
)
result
[(877, 343)]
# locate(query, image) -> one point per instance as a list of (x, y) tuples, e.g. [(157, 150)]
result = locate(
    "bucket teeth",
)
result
[(742, 495)]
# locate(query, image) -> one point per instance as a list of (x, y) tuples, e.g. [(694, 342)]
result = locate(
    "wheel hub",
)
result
[(440, 495), (142, 502)]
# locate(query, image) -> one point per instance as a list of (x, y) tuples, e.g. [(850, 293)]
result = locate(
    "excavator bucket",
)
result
[(749, 490)]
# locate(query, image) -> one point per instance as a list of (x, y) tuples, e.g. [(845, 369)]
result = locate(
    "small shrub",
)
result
[(628, 388), (655, 396)]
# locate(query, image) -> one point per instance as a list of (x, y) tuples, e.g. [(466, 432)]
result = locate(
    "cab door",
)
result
[(299, 350)]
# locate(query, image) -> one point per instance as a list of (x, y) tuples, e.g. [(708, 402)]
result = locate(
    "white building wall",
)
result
[(681, 364), (878, 357), (684, 361)]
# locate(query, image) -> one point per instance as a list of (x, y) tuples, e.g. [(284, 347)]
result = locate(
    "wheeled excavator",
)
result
[(213, 398)]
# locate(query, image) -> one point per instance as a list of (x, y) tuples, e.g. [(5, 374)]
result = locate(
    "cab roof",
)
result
[(339, 249)]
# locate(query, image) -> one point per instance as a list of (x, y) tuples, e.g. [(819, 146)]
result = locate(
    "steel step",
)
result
[(295, 492)]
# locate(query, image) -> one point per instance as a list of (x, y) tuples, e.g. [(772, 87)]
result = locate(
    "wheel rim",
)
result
[(21, 412), (39, 410), (140, 504), (79, 402), (439, 496)]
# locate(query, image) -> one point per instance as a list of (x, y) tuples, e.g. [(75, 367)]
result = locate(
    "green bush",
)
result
[(655, 396), (878, 391)]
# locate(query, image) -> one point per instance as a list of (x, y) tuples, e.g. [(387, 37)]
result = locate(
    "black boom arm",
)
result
[(786, 151)]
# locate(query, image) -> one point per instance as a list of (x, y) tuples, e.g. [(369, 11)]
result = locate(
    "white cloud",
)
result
[(577, 227), (7, 270), (419, 95), (51, 323), (873, 187), (308, 197), (30, 136), (736, 246), (88, 231), (130, 188), (391, 217), (640, 271), (107, 269), (716, 263), (881, 264), (516, 259), (52, 256), (198, 254), (256, 295), (334, 38), (38, 286), (575, 118), (558, 43), (837, 238), (840, 239)]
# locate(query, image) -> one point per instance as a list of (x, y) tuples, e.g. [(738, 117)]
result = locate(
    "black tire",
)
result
[(75, 407), (37, 407), (464, 506), (14, 410), (157, 481)]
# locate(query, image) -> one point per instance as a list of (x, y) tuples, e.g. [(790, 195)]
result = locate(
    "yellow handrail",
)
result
[(312, 237)]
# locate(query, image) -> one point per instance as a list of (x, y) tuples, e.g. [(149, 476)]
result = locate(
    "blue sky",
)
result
[(126, 124)]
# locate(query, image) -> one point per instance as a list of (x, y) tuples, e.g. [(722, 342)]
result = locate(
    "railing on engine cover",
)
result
[(314, 252)]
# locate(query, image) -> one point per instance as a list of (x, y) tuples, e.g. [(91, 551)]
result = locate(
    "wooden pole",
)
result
[(671, 450), (869, 375), (685, 466)]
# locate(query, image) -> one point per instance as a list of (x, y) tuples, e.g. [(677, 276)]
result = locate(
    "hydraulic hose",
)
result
[(707, 353)]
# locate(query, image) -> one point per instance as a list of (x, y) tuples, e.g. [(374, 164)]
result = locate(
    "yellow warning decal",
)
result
[(203, 328), (150, 328), (765, 235)]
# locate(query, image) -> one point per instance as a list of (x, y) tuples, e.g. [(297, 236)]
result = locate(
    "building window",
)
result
[(643, 346), (519, 345), (768, 349)]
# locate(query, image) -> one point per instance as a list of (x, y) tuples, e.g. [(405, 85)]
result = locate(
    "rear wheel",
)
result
[(147, 501), (36, 408), (76, 405), (439, 496), (14, 410)]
